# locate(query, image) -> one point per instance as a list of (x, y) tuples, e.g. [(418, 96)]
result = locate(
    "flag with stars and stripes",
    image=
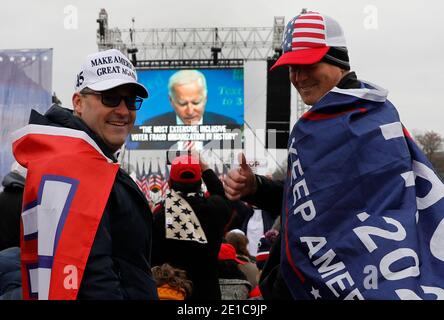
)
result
[(143, 181), (304, 32), (363, 210), (308, 37), (165, 186), (181, 222)]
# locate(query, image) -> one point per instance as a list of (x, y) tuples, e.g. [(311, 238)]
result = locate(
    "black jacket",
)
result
[(10, 210), (269, 196), (198, 260), (118, 266)]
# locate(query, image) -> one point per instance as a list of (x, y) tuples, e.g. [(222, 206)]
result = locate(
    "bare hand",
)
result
[(240, 182)]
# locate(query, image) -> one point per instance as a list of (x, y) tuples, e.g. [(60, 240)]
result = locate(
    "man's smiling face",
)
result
[(313, 81), (111, 124)]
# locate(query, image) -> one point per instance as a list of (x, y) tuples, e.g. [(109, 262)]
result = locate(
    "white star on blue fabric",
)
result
[(315, 293)]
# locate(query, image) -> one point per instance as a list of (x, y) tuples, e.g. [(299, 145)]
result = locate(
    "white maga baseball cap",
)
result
[(108, 69)]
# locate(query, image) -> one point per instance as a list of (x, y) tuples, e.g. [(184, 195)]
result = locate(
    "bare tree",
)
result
[(439, 164), (430, 143)]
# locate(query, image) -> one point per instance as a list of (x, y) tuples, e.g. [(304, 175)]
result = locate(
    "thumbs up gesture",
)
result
[(240, 182)]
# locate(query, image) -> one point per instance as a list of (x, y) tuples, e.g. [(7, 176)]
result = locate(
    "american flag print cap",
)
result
[(308, 37)]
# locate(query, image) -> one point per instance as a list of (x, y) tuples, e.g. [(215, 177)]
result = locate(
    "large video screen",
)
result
[(189, 109)]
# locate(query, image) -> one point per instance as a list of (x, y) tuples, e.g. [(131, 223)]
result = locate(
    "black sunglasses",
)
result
[(112, 100)]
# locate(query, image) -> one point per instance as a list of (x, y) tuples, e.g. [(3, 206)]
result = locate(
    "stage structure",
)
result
[(211, 46), (157, 53)]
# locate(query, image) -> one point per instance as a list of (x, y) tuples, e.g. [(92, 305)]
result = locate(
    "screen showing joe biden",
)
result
[(190, 109)]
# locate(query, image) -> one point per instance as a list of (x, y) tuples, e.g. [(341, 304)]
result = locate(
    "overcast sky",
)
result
[(397, 45)]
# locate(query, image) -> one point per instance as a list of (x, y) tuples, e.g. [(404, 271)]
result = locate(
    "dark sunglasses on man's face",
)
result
[(112, 99)]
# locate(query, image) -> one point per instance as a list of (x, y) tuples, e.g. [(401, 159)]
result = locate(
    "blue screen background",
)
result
[(225, 93)]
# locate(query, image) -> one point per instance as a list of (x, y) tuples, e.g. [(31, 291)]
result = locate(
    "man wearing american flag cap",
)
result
[(362, 208)]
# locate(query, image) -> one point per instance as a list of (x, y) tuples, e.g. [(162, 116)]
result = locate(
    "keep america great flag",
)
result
[(363, 211)]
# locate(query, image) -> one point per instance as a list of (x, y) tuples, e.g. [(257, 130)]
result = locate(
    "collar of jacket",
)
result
[(13, 180), (349, 81)]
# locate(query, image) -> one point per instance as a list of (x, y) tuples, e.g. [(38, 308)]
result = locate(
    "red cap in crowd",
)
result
[(228, 252), (185, 169)]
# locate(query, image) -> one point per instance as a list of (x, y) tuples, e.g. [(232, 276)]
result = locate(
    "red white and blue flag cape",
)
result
[(67, 187), (363, 211)]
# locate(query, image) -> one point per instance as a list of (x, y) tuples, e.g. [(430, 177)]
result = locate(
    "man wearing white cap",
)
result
[(357, 223), (86, 225)]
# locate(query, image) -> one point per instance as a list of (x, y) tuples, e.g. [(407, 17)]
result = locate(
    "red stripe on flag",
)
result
[(309, 25), (307, 44), (309, 35), (287, 247), (406, 133), (313, 17), (309, 115), (188, 145)]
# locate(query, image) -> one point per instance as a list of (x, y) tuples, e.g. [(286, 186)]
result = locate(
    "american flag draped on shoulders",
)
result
[(363, 211)]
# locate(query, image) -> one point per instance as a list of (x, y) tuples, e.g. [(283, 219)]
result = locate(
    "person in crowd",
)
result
[(239, 241), (189, 229), (188, 96), (187, 91), (10, 210), (261, 258), (256, 223), (10, 276), (11, 206), (253, 222), (358, 192), (233, 282), (172, 283), (263, 251), (94, 224)]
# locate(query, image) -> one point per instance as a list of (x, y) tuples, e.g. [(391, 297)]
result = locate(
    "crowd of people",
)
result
[(358, 192)]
